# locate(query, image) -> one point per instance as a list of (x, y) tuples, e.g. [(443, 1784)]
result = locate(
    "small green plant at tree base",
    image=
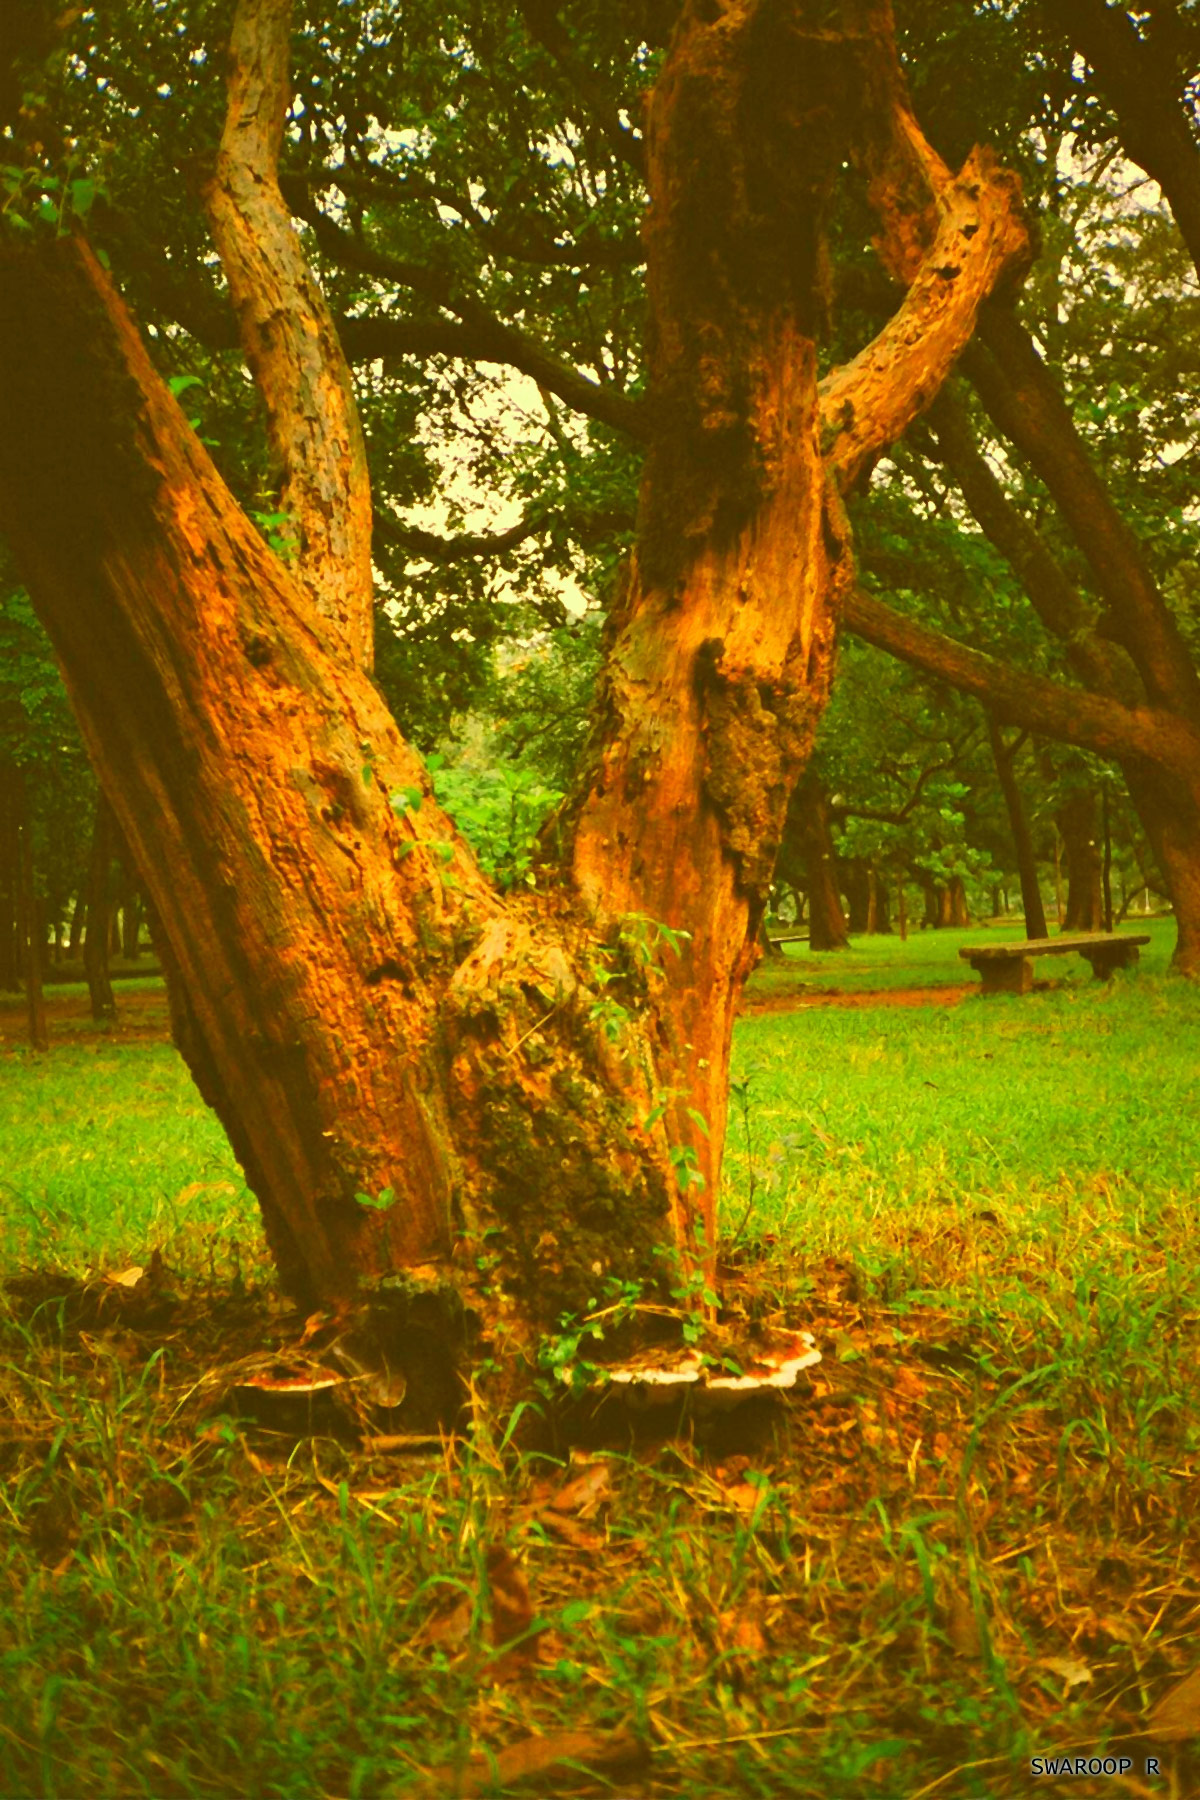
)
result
[(380, 1202), (279, 529)]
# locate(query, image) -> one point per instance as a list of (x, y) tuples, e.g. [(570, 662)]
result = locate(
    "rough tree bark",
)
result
[(369, 1017)]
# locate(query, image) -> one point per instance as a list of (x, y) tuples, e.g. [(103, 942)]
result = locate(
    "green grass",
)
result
[(107, 1152), (971, 1539)]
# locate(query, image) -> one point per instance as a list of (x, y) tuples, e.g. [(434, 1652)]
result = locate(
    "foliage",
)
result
[(500, 812)]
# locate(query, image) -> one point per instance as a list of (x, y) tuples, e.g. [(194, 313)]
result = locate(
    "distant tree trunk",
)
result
[(881, 905), (856, 886), (808, 823), (96, 942), (1004, 756), (931, 900), (75, 931), (902, 906), (131, 920), (35, 1004), (10, 880), (956, 895), (1076, 819)]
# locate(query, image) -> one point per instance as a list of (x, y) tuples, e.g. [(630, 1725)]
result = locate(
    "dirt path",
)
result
[(141, 1018), (801, 999)]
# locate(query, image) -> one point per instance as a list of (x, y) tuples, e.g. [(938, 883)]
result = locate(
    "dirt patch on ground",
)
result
[(949, 994), (141, 1018)]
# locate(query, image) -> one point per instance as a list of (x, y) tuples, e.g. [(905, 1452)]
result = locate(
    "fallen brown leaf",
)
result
[(586, 1493), (538, 1761), (1177, 1714), (580, 1537), (511, 1607)]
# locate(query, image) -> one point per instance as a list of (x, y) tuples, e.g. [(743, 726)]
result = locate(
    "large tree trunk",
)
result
[(404, 1059)]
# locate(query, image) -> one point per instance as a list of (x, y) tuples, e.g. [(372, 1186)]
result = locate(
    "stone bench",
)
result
[(1008, 968)]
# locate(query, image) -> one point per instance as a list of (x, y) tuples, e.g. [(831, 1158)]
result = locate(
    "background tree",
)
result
[(1107, 563)]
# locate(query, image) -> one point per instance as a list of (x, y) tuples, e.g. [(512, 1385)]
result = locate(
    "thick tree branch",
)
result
[(481, 334), (1044, 706), (546, 28), (1056, 600), (1136, 73), (589, 250), (454, 549), (287, 332), (1023, 399), (951, 240)]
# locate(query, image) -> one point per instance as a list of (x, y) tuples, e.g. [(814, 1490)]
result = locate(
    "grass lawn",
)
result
[(970, 1541)]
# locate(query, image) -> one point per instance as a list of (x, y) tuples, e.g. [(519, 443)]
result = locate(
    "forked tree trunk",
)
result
[(406, 1061)]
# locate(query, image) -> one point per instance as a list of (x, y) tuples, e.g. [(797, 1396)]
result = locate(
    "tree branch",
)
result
[(288, 333), (1047, 707), (481, 336), (951, 240), (1138, 76), (546, 29), (590, 251), (1023, 399), (454, 549)]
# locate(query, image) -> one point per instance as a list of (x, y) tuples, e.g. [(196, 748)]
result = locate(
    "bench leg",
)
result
[(1113, 956), (1011, 975)]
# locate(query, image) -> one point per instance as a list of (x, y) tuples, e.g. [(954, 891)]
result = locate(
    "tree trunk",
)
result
[(406, 1061), (10, 881), (131, 921), (96, 944), (1004, 757), (881, 905), (856, 885), (808, 827), (30, 912), (956, 896), (1076, 819), (76, 927)]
